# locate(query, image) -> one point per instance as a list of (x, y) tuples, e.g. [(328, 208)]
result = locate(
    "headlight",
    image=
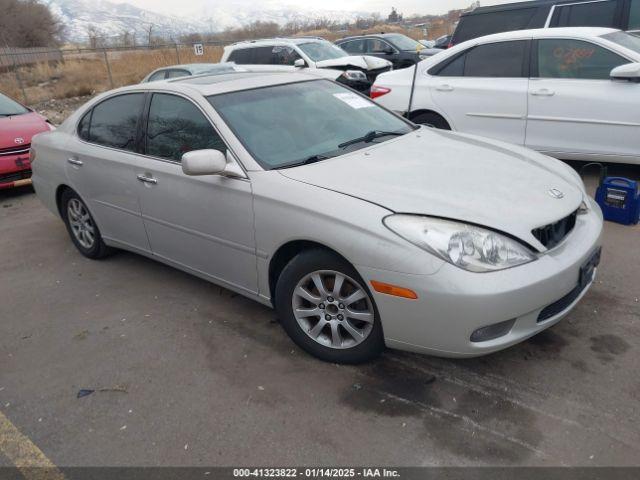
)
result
[(354, 75), (466, 246)]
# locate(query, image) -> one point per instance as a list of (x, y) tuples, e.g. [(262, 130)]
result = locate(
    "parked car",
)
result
[(359, 227), (572, 93), (618, 14), (443, 42), (397, 48), (308, 52), (189, 69), (17, 125), (353, 79)]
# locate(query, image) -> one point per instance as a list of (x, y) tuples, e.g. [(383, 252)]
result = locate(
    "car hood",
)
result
[(460, 177), (364, 62), (20, 126)]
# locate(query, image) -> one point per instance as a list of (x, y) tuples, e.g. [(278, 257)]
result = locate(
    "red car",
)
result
[(17, 125)]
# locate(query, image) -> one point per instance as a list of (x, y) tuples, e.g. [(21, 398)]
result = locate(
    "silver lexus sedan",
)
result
[(360, 228)]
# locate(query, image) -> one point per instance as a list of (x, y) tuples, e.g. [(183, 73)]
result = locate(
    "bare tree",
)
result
[(28, 23)]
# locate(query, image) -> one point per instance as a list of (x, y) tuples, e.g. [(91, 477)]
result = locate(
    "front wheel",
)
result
[(432, 120), (327, 310)]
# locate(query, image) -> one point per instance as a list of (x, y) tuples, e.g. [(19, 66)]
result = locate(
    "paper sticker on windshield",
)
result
[(353, 100)]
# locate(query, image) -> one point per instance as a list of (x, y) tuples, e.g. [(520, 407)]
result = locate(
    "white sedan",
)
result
[(572, 93), (360, 228)]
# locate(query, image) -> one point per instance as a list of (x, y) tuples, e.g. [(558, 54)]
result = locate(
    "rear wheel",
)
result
[(326, 309), (81, 226), (431, 119)]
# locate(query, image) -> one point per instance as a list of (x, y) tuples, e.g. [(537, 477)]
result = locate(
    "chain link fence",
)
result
[(39, 74)]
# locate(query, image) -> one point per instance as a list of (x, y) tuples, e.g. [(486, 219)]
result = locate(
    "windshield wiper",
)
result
[(307, 161), (370, 137)]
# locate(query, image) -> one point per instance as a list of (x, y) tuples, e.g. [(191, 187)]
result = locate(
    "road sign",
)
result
[(198, 49)]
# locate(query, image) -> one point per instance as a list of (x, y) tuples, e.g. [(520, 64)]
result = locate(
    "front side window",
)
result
[(10, 107), (319, 51), (114, 121), (403, 42), (176, 126), (565, 58), (284, 55), (285, 125), (375, 45), (589, 14), (634, 15), (504, 59), (355, 47)]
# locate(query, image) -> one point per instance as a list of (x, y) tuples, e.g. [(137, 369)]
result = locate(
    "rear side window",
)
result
[(354, 46), (504, 59), (262, 56), (564, 58), (176, 126), (591, 14), (114, 122), (241, 56), (479, 25)]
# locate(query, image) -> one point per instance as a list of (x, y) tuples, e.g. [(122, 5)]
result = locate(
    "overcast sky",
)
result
[(407, 7)]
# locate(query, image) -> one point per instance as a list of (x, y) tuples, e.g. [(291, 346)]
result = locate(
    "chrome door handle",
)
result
[(75, 161), (444, 88), (145, 179), (543, 93)]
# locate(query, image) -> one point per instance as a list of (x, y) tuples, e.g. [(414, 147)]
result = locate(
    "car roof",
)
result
[(583, 32), (222, 83), (515, 6), (276, 41), (197, 67), (373, 35)]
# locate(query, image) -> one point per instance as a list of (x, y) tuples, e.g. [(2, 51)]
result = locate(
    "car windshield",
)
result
[(10, 107), (625, 40), (403, 42), (287, 125), (318, 51)]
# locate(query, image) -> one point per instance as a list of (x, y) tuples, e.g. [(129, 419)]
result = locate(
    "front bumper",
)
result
[(453, 303), (15, 171)]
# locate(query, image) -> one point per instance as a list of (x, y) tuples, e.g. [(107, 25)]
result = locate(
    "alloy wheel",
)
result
[(333, 309), (81, 223)]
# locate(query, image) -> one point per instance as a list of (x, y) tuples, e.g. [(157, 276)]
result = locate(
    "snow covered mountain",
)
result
[(111, 20)]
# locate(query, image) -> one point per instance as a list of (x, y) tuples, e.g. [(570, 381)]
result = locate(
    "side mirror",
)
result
[(629, 72), (300, 63), (204, 162)]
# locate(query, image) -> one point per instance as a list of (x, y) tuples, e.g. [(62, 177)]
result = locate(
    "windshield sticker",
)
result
[(354, 101)]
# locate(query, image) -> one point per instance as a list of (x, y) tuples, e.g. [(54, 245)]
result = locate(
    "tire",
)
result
[(431, 119), (323, 323), (81, 226)]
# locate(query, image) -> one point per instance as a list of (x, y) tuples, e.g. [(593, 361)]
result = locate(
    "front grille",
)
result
[(15, 176), (562, 304), (552, 234), (19, 150)]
